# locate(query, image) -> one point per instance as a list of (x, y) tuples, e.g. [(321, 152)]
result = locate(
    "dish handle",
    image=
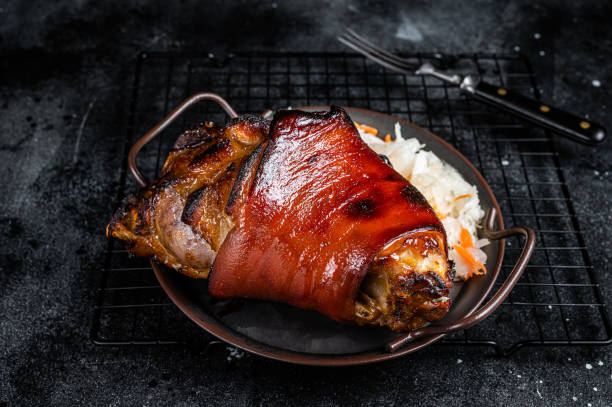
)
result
[(159, 127), (495, 301)]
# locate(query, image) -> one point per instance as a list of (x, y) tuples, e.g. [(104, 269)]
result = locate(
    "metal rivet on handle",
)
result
[(585, 125), (501, 91), (545, 108)]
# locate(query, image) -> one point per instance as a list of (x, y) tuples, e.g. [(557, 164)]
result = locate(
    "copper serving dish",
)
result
[(282, 332)]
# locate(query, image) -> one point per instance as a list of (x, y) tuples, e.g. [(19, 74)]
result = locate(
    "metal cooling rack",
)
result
[(557, 301)]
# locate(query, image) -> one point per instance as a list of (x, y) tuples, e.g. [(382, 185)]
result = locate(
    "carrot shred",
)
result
[(387, 138), (366, 128), (440, 216), (462, 196), (465, 238), (477, 268)]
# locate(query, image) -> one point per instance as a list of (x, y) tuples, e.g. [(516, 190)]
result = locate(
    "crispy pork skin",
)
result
[(181, 218), (299, 211), (327, 225)]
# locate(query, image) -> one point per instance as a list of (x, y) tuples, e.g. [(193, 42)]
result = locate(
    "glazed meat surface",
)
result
[(321, 208), (300, 211)]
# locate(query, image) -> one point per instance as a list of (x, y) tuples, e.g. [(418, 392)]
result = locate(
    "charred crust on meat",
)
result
[(214, 150), (243, 173), (363, 208), (411, 194), (428, 283), (192, 204), (196, 135), (250, 118), (440, 283), (335, 112)]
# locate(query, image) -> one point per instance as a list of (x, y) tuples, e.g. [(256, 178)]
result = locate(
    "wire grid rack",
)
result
[(556, 302)]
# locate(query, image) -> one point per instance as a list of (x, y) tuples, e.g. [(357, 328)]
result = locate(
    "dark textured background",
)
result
[(63, 66)]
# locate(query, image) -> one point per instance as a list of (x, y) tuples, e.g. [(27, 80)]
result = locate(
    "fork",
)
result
[(561, 122)]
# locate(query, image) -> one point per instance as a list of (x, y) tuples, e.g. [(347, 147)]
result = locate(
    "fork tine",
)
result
[(375, 56), (375, 48), (380, 55)]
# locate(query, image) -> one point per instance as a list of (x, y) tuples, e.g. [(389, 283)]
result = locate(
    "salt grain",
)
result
[(537, 36), (459, 361), (596, 83), (569, 359), (517, 48), (505, 163), (519, 376), (542, 53), (594, 388), (600, 363), (234, 353), (588, 366), (574, 398)]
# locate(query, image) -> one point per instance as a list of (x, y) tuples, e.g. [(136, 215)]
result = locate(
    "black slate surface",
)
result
[(64, 68)]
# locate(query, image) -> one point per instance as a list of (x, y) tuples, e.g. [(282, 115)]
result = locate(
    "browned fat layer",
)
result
[(429, 243)]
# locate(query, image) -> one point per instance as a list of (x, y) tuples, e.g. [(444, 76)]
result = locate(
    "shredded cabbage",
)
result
[(452, 197)]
